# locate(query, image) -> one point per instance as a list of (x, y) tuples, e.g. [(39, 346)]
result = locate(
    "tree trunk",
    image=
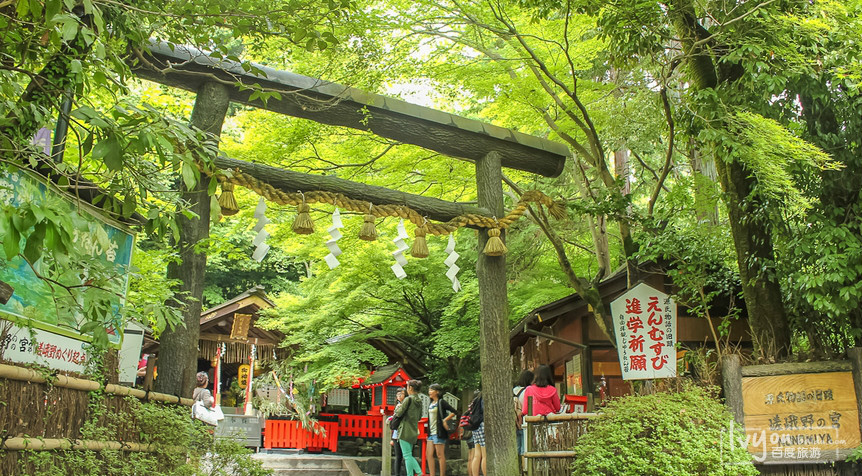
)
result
[(45, 91), (178, 352), (494, 331), (752, 238), (704, 173), (752, 233)]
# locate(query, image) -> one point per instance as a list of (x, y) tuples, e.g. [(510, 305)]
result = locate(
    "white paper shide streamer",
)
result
[(334, 232), (398, 254), (452, 274), (261, 248)]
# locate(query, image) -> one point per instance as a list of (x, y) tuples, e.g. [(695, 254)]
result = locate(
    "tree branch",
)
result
[(668, 156)]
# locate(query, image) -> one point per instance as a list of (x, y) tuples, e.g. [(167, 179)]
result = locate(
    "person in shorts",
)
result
[(479, 437), (442, 420)]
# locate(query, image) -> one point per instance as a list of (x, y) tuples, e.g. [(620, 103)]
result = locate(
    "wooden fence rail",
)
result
[(549, 442), (12, 372)]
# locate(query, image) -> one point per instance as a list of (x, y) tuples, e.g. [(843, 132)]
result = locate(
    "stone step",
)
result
[(310, 472), (270, 461)]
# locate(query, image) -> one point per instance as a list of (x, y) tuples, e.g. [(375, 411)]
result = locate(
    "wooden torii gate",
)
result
[(490, 147)]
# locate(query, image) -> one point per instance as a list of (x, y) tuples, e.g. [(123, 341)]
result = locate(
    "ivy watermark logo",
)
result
[(790, 439)]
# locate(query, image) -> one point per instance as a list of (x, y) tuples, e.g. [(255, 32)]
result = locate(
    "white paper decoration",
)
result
[(398, 254), (261, 248), (334, 232), (452, 273)]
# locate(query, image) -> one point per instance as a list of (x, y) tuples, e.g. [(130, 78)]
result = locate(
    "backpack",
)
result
[(518, 408), (472, 418)]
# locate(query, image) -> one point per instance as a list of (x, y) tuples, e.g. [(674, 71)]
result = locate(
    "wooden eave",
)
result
[(547, 315)]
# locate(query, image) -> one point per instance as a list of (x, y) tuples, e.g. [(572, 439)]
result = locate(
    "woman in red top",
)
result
[(543, 393)]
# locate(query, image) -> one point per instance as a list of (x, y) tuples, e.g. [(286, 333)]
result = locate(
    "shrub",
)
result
[(676, 433)]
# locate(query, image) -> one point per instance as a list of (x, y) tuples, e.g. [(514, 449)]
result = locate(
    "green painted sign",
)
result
[(38, 303)]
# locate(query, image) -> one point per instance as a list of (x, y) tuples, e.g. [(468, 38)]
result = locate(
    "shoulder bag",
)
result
[(396, 420)]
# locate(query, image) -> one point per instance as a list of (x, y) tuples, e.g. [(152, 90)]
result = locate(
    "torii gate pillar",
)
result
[(501, 445), (179, 347)]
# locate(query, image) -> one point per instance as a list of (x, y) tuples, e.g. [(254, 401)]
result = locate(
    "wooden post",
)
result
[(731, 378), (150, 375), (178, 350), (528, 438), (855, 356), (494, 330), (386, 461)]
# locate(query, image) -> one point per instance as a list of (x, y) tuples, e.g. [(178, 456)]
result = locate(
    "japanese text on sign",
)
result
[(800, 416), (645, 328)]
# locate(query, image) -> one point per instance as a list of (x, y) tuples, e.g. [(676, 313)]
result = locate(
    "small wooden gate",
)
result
[(549, 442)]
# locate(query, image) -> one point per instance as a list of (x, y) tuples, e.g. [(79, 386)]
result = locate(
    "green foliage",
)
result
[(230, 269), (700, 263), (664, 434), (335, 313), (773, 155), (149, 289), (855, 456), (137, 154)]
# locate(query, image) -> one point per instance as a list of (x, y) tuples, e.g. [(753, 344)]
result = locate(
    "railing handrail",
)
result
[(13, 372), (553, 417)]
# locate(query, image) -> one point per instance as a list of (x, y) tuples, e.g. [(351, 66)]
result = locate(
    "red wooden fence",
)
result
[(291, 434), (365, 426)]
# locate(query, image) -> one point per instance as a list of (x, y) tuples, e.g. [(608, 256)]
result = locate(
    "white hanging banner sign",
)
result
[(645, 327)]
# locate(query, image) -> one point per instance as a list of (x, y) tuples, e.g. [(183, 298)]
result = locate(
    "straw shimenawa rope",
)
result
[(267, 191)]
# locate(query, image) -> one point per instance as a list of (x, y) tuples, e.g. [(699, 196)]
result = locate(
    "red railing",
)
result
[(291, 434), (364, 426)]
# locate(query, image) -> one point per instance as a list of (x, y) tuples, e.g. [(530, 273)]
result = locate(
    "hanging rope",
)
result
[(267, 191)]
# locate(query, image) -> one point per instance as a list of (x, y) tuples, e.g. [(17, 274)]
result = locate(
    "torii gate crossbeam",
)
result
[(330, 103)]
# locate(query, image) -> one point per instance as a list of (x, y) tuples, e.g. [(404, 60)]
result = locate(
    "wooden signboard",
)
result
[(645, 328), (242, 375), (800, 417), (241, 323)]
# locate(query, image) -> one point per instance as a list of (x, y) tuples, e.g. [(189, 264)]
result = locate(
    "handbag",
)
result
[(207, 415), (395, 421)]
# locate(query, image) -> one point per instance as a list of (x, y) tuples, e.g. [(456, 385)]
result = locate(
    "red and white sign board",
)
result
[(645, 328), (36, 346)]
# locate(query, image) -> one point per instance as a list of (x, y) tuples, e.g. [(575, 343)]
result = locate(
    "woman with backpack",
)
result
[(442, 420), (524, 380), (409, 413), (474, 420)]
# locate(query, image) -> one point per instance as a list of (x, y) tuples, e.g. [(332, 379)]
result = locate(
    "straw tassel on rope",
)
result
[(495, 245), (227, 201), (420, 246), (368, 232), (557, 209), (303, 224)]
